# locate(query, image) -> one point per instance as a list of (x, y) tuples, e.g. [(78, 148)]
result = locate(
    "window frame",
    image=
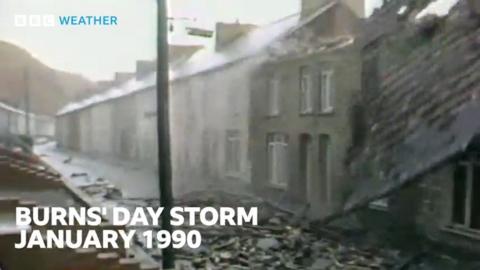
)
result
[(469, 165), (274, 106), (326, 91), (233, 160), (306, 90), (277, 154)]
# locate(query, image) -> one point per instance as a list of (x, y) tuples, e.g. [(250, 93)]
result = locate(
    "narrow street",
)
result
[(281, 241), (80, 170), (350, 125)]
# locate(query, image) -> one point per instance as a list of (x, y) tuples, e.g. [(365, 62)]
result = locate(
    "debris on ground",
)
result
[(73, 175), (275, 244), (68, 160), (284, 239)]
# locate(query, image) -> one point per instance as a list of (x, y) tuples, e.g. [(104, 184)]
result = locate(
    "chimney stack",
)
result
[(310, 6), (121, 77), (357, 6), (144, 67), (226, 33)]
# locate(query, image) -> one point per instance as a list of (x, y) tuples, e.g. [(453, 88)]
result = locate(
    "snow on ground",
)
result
[(439, 8), (134, 181)]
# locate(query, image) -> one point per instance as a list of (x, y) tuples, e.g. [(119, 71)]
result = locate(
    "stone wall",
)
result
[(290, 122)]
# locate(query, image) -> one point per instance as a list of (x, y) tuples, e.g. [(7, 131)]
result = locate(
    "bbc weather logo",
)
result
[(49, 20), (22, 20)]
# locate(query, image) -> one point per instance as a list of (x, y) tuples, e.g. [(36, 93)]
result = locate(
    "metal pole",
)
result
[(27, 102), (163, 127)]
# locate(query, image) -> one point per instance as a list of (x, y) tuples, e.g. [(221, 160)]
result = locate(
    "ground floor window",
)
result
[(233, 152), (466, 194), (277, 152)]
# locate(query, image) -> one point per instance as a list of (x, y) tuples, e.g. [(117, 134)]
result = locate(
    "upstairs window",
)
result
[(326, 91), (274, 96), (306, 91), (278, 159), (466, 195), (232, 152)]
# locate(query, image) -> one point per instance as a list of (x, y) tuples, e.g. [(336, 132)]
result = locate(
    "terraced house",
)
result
[(236, 115), (218, 124), (422, 109), (301, 108)]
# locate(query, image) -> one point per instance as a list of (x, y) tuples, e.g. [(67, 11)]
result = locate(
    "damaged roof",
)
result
[(10, 108), (201, 61), (425, 112), (207, 59)]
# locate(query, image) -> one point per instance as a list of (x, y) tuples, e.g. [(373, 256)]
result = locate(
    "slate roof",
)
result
[(10, 108), (207, 59), (6, 107), (202, 61), (426, 111)]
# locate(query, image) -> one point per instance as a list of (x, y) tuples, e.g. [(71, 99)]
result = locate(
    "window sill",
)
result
[(378, 206), (233, 175), (307, 114), (466, 232), (277, 186), (327, 113), (323, 113)]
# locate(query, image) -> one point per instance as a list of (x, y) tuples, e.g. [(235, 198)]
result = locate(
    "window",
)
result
[(306, 93), (326, 91), (278, 159), (325, 161), (274, 96), (466, 195), (232, 152)]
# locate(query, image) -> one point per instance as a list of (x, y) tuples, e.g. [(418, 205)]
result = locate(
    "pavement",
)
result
[(104, 183), (133, 180)]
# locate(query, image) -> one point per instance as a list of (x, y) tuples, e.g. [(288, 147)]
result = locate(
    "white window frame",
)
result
[(277, 152), (327, 91), (274, 96), (306, 90), (233, 153)]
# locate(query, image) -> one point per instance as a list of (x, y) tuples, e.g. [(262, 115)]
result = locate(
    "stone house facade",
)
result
[(301, 117), (13, 122), (215, 122)]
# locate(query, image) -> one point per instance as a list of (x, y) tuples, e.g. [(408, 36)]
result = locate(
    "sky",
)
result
[(98, 52)]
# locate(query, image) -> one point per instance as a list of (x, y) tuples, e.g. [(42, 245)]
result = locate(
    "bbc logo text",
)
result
[(49, 20)]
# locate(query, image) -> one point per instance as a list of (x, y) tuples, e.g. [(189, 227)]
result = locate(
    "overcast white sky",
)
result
[(97, 52)]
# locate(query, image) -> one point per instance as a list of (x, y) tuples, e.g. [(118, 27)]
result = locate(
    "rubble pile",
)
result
[(279, 242), (100, 188), (282, 240)]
